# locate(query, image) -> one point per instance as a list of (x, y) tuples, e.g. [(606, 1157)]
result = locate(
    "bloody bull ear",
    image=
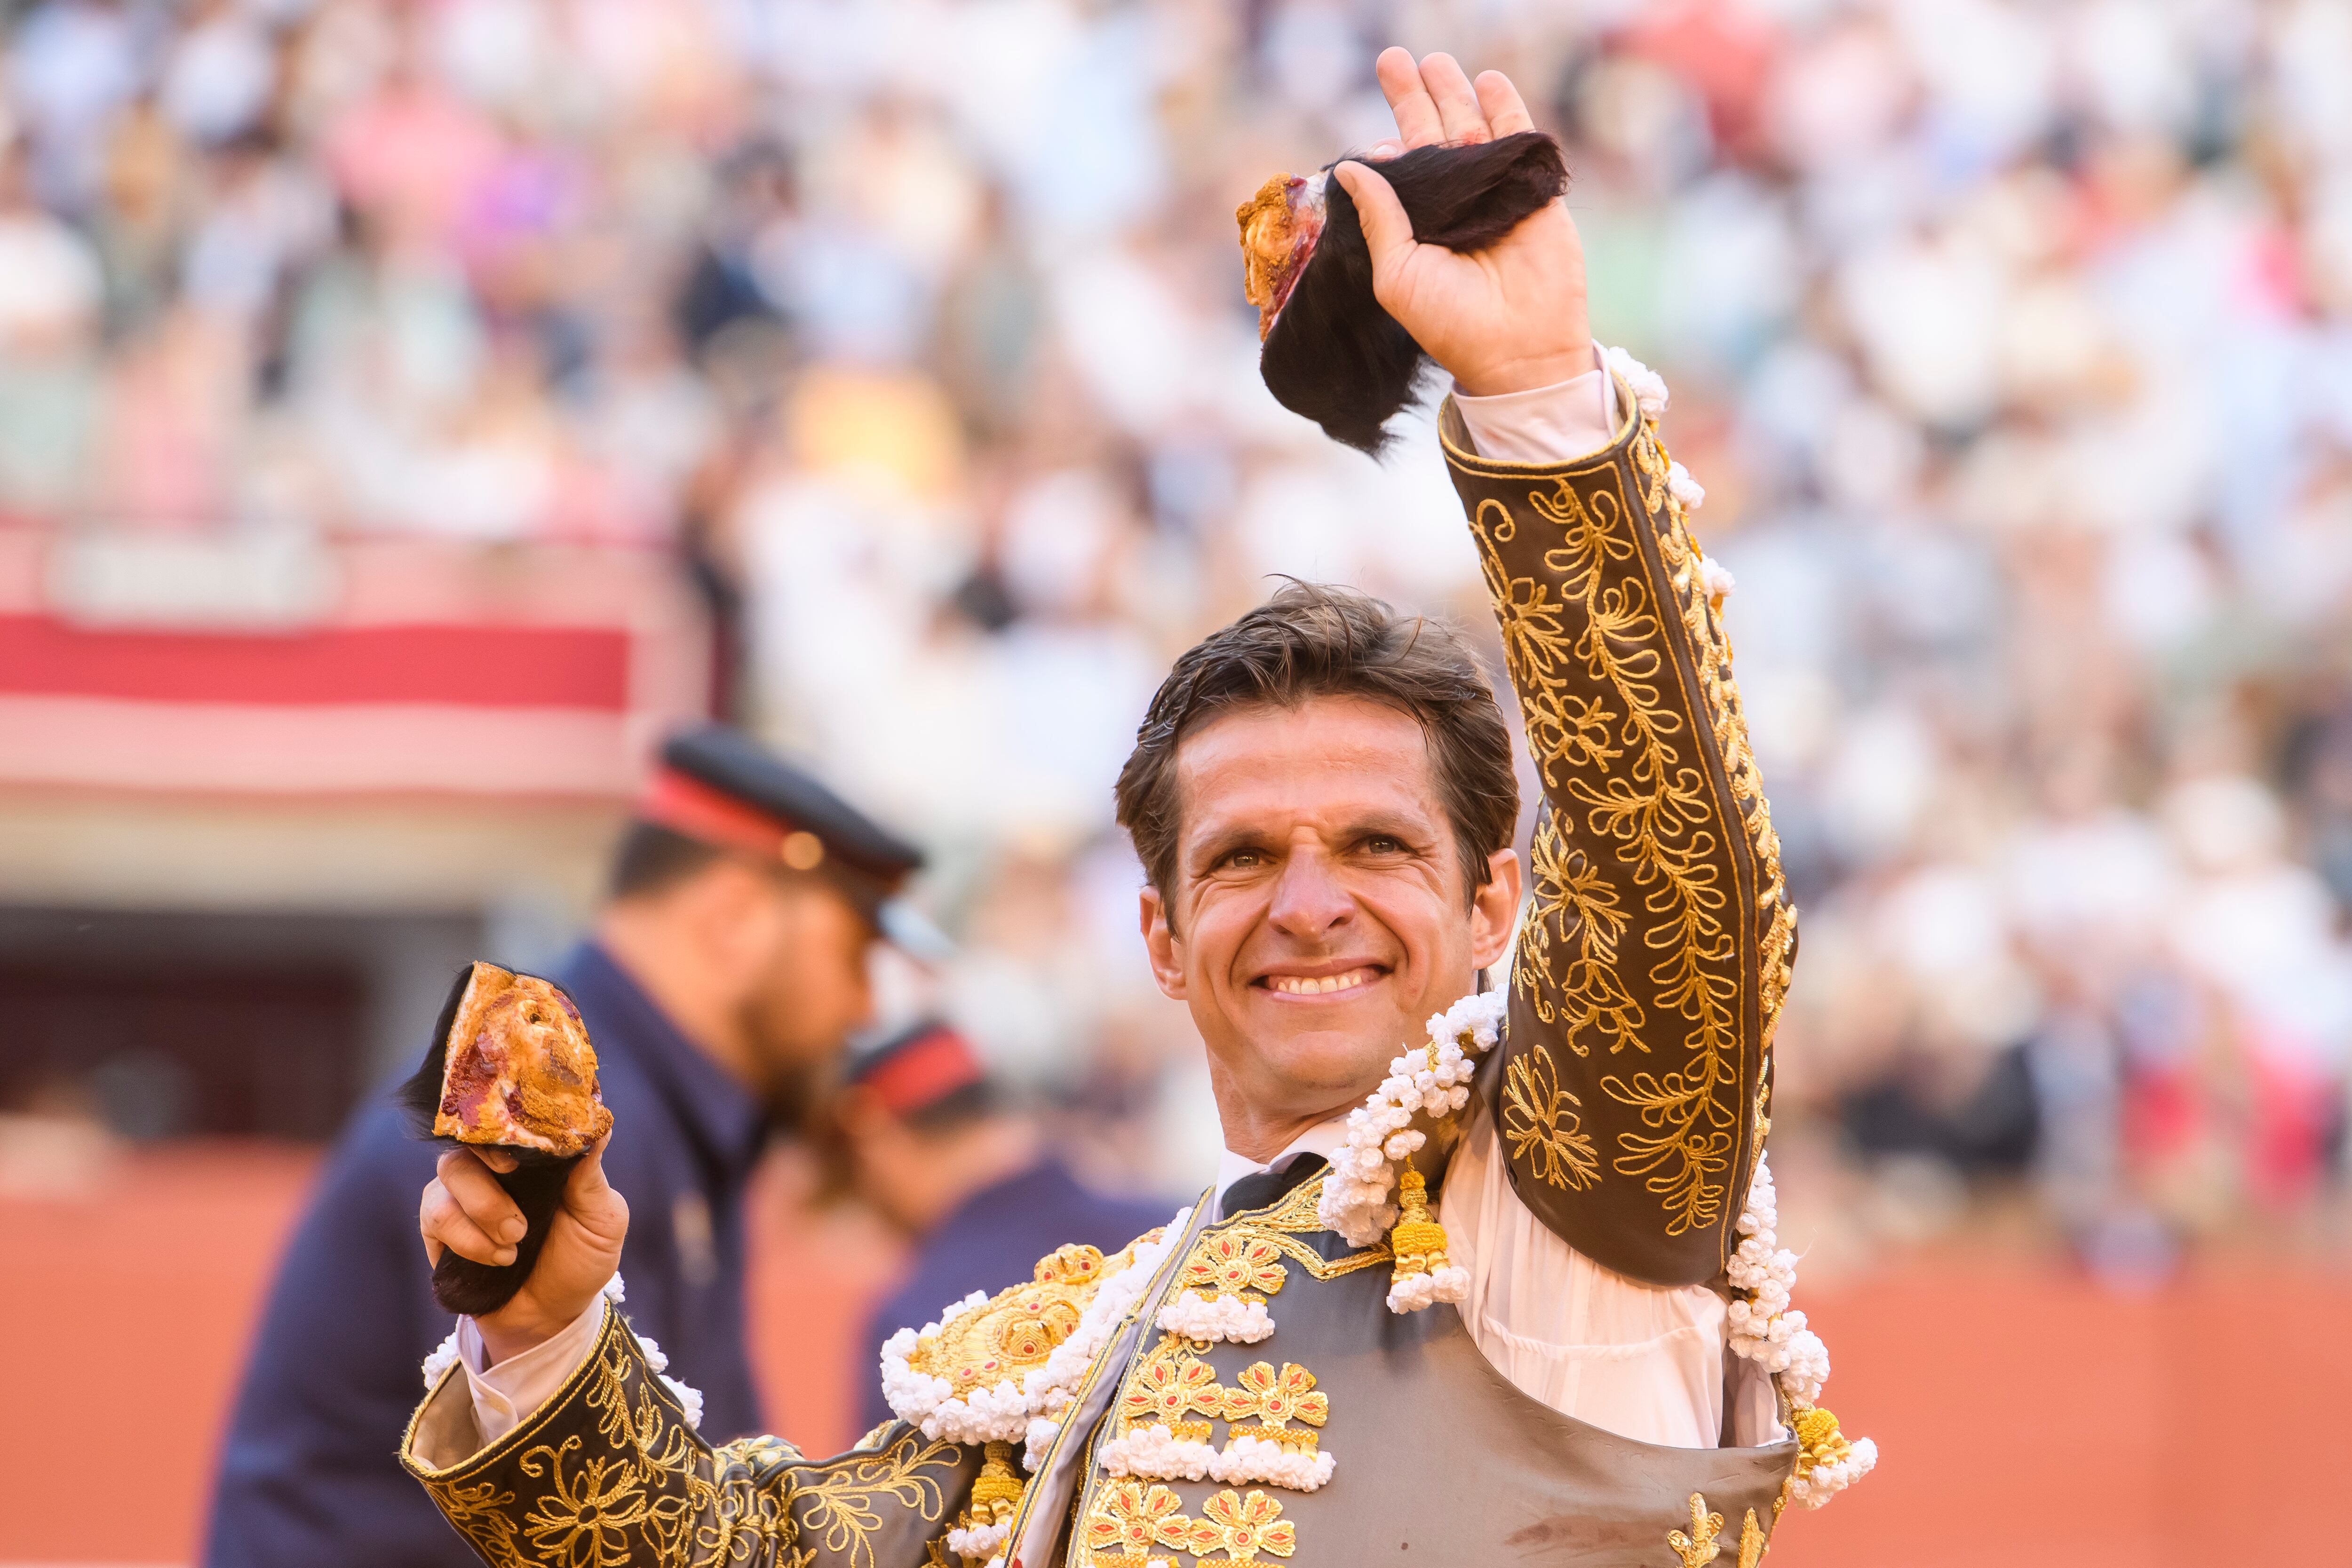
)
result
[(1330, 352), (510, 1066)]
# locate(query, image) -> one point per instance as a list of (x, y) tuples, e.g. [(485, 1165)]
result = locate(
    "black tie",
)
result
[(1266, 1188)]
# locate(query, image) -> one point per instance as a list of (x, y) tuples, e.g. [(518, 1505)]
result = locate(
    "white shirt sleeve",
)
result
[(506, 1395), (1557, 424), (1643, 1361)]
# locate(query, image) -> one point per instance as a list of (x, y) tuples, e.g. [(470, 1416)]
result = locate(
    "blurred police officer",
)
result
[(931, 1142), (728, 967)]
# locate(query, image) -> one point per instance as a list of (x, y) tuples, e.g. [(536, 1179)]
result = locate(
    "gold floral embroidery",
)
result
[(1242, 1527), (1275, 1397), (583, 1521), (1170, 1381), (480, 1513), (1133, 1518), (1542, 1123), (844, 1499), (1233, 1262), (1698, 1547)]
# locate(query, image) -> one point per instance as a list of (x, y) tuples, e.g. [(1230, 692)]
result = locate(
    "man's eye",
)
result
[(1245, 859), (1384, 845)]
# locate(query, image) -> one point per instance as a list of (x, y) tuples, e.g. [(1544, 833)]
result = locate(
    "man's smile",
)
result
[(1335, 983)]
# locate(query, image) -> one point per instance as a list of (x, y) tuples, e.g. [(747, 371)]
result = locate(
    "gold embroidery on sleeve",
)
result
[(1627, 766), (1541, 1121)]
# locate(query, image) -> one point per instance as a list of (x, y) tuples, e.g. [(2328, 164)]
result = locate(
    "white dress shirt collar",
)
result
[(1322, 1138)]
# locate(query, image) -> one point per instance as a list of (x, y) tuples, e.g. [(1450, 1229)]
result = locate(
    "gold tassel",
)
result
[(997, 1491), (1418, 1242)]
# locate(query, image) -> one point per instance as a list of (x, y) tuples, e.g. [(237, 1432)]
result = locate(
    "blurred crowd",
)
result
[(2012, 342)]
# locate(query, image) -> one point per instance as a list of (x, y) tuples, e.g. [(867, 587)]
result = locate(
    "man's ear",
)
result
[(1165, 948), (1495, 909)]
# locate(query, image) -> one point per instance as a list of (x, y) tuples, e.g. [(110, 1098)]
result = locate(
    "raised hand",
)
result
[(1507, 318), (465, 1210)]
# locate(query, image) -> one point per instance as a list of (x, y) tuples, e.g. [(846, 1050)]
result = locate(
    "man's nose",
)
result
[(1308, 900)]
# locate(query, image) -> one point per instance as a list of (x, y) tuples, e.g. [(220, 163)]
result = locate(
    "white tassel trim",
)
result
[(1648, 388), (1823, 1482), (1414, 1292), (1685, 490), (1714, 579), (981, 1541), (1155, 1453), (1354, 1201), (441, 1360), (1215, 1319)]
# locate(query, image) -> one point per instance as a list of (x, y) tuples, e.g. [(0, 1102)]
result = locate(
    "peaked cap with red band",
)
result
[(720, 786), (920, 1068)]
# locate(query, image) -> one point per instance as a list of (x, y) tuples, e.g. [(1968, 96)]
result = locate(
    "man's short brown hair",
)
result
[(1312, 640)]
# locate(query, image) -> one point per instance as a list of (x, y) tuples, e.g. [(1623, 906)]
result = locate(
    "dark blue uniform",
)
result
[(993, 1239), (308, 1475)]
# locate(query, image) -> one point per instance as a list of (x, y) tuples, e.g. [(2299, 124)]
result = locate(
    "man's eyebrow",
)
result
[(1218, 840), (1411, 826)]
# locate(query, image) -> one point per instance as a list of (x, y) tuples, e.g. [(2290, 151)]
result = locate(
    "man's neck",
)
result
[(1259, 1138)]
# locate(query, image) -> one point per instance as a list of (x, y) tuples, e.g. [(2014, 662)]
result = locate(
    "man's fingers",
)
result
[(440, 1217), (496, 1158), (1506, 114), (477, 1192), (1386, 228), (1417, 118), (1458, 111)]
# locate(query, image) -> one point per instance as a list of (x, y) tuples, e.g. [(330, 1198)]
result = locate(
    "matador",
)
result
[(1489, 1270)]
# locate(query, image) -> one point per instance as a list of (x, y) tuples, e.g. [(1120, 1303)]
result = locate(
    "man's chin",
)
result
[(1329, 1045)]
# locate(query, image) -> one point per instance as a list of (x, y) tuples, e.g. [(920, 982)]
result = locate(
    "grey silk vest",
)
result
[(1437, 1459)]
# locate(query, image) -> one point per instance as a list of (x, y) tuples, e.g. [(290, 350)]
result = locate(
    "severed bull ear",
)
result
[(1332, 353), (536, 1184)]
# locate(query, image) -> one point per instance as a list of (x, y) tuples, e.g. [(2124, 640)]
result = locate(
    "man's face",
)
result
[(814, 990), (1320, 909)]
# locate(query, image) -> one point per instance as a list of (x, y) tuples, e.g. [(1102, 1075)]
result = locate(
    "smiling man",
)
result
[(1487, 1275)]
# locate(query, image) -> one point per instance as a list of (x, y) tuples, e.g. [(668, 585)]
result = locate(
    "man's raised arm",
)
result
[(1633, 1084)]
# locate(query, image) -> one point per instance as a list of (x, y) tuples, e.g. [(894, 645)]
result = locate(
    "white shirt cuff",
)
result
[(1558, 424), (507, 1394)]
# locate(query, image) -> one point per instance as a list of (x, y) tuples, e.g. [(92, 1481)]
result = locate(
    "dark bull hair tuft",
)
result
[(1336, 357)]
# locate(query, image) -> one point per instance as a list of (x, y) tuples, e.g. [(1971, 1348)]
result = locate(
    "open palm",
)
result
[(1507, 318)]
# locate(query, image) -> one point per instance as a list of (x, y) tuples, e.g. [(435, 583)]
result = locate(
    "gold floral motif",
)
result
[(1275, 1397), (1233, 1262), (1242, 1527), (1131, 1518), (1698, 1547), (1573, 900), (1171, 1382), (1541, 1123), (584, 1520)]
